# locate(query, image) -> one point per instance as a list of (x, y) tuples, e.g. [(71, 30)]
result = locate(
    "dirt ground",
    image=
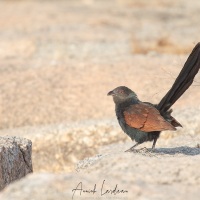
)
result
[(59, 59)]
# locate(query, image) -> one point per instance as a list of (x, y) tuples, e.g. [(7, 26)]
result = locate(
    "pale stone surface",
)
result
[(170, 172), (15, 159)]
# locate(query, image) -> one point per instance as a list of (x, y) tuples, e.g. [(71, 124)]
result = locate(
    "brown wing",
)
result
[(146, 118)]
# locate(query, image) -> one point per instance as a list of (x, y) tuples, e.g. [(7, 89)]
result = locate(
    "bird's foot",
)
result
[(144, 150), (147, 150), (131, 150)]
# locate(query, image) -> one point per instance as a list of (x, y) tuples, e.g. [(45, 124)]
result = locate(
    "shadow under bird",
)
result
[(144, 121)]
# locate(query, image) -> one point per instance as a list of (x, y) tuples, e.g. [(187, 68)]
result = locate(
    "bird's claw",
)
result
[(131, 150), (142, 150)]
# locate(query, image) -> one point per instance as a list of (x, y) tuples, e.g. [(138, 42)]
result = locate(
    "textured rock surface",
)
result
[(15, 159), (170, 172), (39, 186)]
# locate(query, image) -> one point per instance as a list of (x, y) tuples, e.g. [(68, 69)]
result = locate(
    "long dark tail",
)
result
[(183, 81)]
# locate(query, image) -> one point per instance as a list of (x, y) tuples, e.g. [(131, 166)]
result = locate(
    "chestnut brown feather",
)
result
[(146, 118)]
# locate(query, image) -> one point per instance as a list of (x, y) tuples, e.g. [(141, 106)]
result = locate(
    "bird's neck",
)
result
[(125, 103), (121, 106)]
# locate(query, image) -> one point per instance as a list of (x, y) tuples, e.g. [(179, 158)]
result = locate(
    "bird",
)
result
[(144, 121)]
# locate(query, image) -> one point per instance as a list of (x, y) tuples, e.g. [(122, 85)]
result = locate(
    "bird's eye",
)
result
[(121, 91)]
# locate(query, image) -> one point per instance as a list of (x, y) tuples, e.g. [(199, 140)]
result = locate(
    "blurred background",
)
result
[(59, 59)]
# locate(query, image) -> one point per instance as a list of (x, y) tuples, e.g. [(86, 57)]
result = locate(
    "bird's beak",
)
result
[(111, 93)]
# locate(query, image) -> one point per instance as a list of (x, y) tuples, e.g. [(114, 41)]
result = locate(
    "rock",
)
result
[(15, 159), (169, 172), (48, 186), (38, 186)]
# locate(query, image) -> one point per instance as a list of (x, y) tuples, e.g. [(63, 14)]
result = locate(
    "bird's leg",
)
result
[(132, 148), (154, 143)]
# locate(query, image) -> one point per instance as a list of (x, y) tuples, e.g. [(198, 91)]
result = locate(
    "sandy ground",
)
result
[(58, 60)]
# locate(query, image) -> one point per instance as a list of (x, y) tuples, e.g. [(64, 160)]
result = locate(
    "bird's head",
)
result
[(121, 94)]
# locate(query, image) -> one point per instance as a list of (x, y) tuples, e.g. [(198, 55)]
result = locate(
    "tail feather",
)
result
[(183, 81)]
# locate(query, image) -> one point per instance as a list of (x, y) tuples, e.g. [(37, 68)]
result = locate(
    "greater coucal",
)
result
[(143, 121)]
